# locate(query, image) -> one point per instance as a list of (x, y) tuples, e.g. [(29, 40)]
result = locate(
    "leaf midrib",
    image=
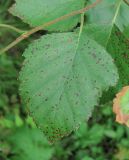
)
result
[(114, 20), (77, 45)]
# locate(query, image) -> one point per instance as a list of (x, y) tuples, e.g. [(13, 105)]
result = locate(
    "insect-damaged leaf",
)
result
[(38, 12), (62, 79)]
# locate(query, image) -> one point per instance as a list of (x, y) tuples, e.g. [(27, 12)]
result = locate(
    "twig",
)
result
[(81, 26), (12, 28), (127, 2), (36, 29)]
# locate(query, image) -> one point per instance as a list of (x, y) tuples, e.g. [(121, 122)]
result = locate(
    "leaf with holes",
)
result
[(62, 79), (38, 12)]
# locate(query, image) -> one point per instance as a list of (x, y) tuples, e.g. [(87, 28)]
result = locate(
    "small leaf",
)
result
[(62, 79), (38, 12), (121, 106), (26, 141)]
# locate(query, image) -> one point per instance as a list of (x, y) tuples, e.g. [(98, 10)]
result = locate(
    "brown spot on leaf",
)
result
[(120, 116)]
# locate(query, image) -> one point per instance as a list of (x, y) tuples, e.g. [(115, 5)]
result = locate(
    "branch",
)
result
[(12, 27), (41, 27), (127, 2)]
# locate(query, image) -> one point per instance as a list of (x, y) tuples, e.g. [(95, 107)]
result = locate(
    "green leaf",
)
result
[(118, 46), (114, 12), (85, 136), (126, 32), (38, 12), (26, 141), (62, 79), (100, 33)]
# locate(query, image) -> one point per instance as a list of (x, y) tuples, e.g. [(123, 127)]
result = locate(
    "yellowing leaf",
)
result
[(121, 106)]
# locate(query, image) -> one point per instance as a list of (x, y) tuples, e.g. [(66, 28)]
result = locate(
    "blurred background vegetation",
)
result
[(99, 139)]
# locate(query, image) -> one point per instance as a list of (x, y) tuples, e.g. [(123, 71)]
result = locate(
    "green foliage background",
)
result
[(101, 139)]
